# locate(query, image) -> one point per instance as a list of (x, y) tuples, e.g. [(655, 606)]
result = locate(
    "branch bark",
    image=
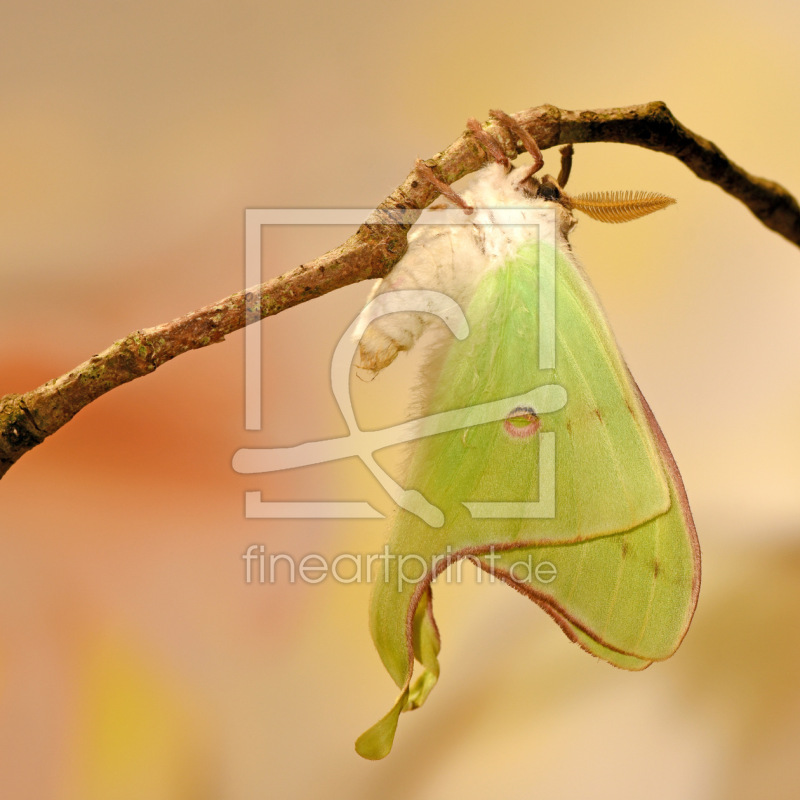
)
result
[(27, 419)]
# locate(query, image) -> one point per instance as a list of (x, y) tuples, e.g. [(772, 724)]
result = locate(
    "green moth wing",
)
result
[(626, 598), (617, 530)]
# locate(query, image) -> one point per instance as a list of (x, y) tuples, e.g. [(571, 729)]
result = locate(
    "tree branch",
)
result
[(27, 419)]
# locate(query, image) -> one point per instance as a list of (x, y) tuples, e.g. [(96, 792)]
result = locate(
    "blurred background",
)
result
[(135, 661)]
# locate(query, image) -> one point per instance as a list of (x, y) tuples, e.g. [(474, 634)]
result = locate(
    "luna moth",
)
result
[(590, 489)]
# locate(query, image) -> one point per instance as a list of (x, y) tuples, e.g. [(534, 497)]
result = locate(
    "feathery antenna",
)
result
[(619, 206)]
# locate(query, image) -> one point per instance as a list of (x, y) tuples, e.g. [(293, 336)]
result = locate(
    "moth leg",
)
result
[(489, 143), (566, 164), (528, 142), (424, 171)]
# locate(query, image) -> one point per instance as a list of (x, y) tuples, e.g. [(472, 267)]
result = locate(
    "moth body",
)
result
[(452, 259)]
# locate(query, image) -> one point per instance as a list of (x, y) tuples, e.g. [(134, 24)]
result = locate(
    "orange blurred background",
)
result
[(135, 662)]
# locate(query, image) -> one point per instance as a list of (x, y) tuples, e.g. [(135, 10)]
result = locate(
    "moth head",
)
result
[(602, 206), (549, 190)]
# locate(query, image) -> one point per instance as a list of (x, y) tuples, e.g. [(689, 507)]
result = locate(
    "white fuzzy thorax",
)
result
[(452, 258)]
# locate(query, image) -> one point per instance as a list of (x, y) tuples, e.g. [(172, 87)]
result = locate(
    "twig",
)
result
[(27, 419)]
